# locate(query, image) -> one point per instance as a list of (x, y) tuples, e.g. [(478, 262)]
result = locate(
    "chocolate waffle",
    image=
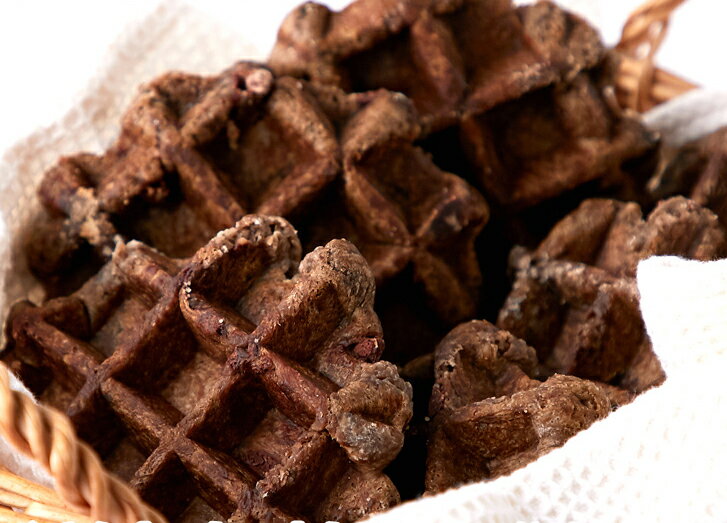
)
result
[(553, 140), (580, 319), (410, 219), (261, 397), (194, 155), (451, 57), (698, 170), (225, 378), (489, 417), (612, 236)]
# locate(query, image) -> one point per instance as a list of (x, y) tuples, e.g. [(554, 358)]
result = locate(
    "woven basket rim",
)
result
[(640, 84)]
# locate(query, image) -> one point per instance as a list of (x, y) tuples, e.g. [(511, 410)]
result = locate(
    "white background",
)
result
[(49, 49)]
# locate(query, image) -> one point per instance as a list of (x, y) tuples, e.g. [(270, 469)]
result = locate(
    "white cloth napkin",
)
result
[(660, 458)]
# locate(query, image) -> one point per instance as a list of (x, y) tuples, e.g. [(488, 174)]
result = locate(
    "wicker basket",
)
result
[(86, 492), (640, 84)]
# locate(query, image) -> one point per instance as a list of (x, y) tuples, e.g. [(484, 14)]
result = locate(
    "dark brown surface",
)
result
[(414, 223), (613, 236), (260, 398), (242, 384), (451, 57), (580, 319), (489, 417), (697, 170), (553, 140), (407, 471), (194, 155)]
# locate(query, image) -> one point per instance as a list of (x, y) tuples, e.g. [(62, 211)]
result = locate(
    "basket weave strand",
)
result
[(34, 502), (641, 85), (47, 437)]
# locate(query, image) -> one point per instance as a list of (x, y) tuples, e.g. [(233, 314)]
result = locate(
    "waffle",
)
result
[(580, 319), (194, 155), (553, 140), (410, 219), (489, 417), (451, 57), (236, 384), (696, 170), (224, 378), (612, 236)]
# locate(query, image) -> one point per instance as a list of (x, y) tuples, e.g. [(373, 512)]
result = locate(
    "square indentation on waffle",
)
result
[(613, 236), (260, 397), (194, 155), (580, 319), (537, 147)]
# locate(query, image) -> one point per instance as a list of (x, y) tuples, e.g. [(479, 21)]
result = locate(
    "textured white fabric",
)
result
[(658, 459)]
